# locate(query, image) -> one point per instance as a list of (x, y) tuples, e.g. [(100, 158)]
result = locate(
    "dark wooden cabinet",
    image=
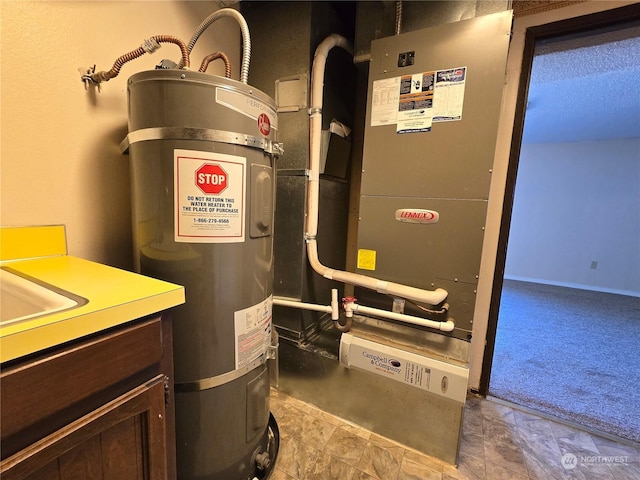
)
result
[(99, 408)]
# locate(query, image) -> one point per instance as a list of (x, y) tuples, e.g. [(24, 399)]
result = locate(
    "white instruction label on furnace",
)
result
[(253, 332), (384, 101), (449, 94), (209, 197), (414, 102), (415, 110)]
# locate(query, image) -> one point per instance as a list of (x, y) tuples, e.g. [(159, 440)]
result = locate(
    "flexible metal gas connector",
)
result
[(149, 46), (214, 56)]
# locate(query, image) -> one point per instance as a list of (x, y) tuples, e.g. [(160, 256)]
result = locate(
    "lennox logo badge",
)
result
[(417, 215)]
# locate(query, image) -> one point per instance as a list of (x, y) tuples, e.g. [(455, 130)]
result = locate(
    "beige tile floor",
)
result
[(498, 443)]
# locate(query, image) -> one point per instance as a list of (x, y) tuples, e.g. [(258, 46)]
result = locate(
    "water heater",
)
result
[(202, 152)]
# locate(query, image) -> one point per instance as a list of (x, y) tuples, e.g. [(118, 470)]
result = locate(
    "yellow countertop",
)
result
[(114, 297)]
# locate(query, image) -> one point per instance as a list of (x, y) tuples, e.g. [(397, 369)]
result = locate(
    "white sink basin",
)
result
[(22, 298)]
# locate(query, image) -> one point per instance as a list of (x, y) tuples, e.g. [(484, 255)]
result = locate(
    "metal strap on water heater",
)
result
[(212, 382), (206, 134)]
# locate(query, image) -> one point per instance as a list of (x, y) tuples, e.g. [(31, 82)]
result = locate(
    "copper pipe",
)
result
[(214, 56)]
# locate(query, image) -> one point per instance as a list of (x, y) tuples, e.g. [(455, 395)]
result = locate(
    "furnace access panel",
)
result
[(434, 99)]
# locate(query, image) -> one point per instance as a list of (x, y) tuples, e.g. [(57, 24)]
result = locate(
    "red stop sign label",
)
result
[(211, 178)]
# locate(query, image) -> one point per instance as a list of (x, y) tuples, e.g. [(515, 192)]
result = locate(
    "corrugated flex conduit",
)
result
[(244, 29), (434, 297), (89, 76), (149, 46)]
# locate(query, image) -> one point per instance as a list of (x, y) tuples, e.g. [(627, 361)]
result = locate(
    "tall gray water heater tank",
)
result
[(202, 152)]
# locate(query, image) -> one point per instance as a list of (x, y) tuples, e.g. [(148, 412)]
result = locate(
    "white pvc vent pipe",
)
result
[(431, 297)]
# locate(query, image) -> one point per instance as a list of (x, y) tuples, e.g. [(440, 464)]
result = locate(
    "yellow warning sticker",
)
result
[(366, 259)]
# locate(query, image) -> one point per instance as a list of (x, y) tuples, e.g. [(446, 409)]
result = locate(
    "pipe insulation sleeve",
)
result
[(313, 192), (315, 123), (311, 225), (319, 63)]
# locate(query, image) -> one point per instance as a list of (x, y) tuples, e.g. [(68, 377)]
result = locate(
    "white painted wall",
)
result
[(60, 161), (578, 203)]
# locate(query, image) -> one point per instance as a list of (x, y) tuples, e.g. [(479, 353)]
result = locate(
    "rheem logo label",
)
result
[(264, 125)]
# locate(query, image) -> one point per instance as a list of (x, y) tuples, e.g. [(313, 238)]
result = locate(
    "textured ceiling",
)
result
[(585, 89)]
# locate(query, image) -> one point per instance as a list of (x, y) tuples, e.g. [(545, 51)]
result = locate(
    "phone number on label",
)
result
[(210, 220)]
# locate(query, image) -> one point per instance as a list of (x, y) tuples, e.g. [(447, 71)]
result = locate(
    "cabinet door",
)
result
[(124, 439), (47, 392)]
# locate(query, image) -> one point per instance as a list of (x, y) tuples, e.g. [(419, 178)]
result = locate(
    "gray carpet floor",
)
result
[(570, 353)]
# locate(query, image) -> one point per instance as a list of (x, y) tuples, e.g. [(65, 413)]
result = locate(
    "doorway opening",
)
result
[(568, 312)]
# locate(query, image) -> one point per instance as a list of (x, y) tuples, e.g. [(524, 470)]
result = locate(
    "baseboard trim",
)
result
[(578, 286)]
